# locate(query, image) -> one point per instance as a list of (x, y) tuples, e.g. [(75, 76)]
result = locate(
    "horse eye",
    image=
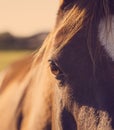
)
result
[(59, 75), (54, 68)]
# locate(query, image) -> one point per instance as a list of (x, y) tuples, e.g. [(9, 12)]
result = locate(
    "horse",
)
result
[(69, 83)]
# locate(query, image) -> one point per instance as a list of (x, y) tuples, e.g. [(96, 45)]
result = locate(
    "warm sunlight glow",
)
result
[(25, 17)]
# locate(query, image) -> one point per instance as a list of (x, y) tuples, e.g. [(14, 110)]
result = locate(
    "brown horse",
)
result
[(69, 83)]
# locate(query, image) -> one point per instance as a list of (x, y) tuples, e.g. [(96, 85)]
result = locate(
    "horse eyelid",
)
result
[(53, 63)]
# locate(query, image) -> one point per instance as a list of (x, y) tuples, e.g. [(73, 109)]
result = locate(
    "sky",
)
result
[(27, 17)]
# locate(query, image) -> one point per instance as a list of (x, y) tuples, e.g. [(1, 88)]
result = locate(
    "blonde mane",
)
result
[(75, 19)]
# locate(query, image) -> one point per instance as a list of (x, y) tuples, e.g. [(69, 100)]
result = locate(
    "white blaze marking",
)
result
[(106, 36)]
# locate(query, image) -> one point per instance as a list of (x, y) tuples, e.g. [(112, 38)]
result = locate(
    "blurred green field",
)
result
[(7, 57)]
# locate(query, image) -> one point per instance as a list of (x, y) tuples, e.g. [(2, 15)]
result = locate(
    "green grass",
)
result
[(7, 57)]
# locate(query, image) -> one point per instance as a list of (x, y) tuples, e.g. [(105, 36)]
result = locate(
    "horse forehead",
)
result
[(74, 54), (106, 36)]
